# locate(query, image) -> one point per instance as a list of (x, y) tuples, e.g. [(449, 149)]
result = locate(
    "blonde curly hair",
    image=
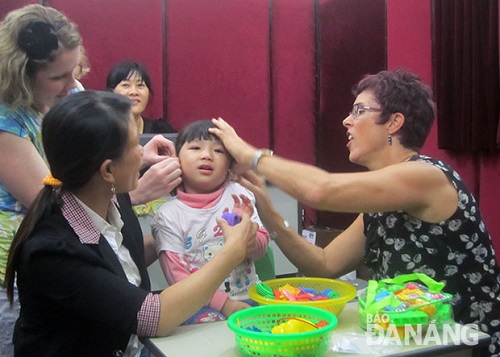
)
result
[(16, 68)]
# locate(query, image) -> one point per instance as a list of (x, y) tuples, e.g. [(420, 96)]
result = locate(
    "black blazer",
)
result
[(75, 298)]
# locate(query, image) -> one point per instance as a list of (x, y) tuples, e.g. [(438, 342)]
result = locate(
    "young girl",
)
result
[(185, 229)]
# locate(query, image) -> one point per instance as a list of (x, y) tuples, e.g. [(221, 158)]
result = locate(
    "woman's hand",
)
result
[(267, 213), (240, 237), (158, 181), (241, 151), (157, 149)]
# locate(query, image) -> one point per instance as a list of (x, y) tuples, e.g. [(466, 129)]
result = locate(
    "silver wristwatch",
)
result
[(257, 156)]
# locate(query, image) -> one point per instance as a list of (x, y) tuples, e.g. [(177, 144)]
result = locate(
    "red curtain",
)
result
[(466, 74), (498, 132)]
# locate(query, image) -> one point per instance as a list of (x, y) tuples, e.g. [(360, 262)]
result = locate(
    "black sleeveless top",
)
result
[(457, 251)]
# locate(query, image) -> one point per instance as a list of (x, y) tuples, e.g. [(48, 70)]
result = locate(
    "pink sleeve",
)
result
[(175, 270), (172, 266), (262, 243)]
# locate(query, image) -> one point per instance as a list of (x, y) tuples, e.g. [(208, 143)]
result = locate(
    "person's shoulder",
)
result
[(170, 205), (20, 111), (6, 109), (12, 119), (157, 126), (237, 188), (427, 159), (50, 232), (233, 186), (169, 213), (10, 113), (442, 165)]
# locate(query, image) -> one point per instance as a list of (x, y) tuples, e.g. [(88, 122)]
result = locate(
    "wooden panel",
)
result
[(117, 30)]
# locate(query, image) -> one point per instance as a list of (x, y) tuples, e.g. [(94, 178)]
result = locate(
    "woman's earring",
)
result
[(389, 139), (113, 188)]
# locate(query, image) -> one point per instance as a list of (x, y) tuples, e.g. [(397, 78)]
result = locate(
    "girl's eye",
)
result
[(220, 151)]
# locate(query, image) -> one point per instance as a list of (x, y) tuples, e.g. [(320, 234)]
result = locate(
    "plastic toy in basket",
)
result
[(336, 292), (414, 300), (280, 331)]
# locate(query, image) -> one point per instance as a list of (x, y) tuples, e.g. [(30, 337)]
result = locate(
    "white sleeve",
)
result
[(166, 230)]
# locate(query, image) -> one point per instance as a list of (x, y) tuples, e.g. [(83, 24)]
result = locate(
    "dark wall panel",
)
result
[(293, 71), (116, 30), (218, 64), (353, 43)]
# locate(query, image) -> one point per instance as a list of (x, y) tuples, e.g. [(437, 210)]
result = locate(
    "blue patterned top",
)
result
[(26, 124)]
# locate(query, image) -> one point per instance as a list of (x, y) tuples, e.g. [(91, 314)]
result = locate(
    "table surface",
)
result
[(216, 339)]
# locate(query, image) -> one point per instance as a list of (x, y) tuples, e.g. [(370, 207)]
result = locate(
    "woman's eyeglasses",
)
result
[(358, 109)]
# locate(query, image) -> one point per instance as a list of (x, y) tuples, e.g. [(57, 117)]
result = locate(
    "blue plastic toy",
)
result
[(231, 218)]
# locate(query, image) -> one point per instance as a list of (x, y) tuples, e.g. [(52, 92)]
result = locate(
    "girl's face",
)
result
[(204, 164), (55, 80), (126, 169), (136, 90)]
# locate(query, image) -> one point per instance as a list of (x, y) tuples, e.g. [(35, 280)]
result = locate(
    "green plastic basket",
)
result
[(266, 344)]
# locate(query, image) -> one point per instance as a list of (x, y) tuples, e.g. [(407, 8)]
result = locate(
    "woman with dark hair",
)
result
[(132, 80), (78, 254), (416, 214)]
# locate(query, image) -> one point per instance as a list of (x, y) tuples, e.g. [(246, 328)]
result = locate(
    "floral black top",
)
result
[(457, 251)]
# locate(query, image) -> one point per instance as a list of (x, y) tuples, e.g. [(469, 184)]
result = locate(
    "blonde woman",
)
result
[(39, 50)]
